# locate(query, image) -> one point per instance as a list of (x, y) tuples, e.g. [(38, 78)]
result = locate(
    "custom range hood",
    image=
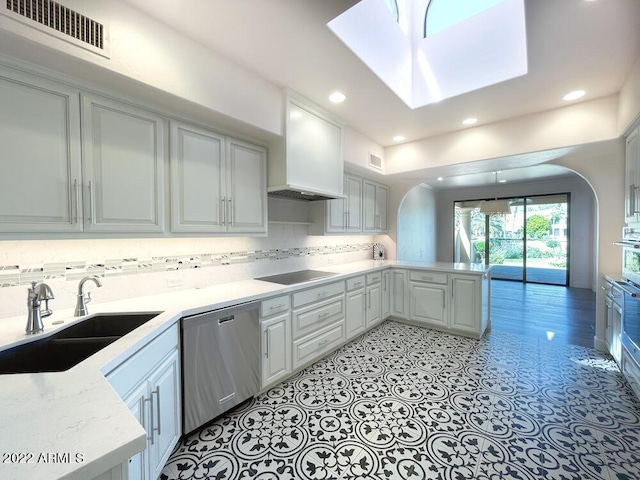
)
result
[(308, 163)]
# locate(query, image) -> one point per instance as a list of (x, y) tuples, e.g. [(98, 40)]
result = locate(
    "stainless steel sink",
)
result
[(71, 345)]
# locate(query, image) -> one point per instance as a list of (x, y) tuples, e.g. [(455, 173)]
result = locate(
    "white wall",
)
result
[(582, 227), (165, 63), (629, 109), (585, 122), (416, 221)]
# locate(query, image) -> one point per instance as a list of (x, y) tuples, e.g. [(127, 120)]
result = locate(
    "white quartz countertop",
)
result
[(76, 415)]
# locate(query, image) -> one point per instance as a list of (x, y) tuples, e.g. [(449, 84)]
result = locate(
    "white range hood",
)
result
[(308, 164)]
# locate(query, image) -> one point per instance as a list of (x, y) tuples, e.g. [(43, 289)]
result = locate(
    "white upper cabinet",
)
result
[(375, 199), (246, 187), (197, 179), (632, 178), (218, 184), (345, 215), (40, 164), (123, 148)]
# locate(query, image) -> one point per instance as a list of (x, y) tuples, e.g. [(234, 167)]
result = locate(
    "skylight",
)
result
[(441, 14), (468, 47)]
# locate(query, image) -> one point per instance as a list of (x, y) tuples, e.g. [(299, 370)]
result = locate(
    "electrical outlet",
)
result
[(174, 282)]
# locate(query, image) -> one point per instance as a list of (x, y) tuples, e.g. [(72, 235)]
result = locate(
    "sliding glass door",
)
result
[(528, 244)]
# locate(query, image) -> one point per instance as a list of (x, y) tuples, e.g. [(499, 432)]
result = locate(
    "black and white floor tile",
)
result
[(403, 402)]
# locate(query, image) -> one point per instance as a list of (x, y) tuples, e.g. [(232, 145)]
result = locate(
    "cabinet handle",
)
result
[(323, 343), (323, 315), (386, 277), (150, 400), (75, 200), (377, 221), (157, 393), (635, 199), (266, 344), (91, 211), (221, 208), (357, 284), (224, 210), (276, 307), (369, 294), (427, 279), (322, 294), (229, 206)]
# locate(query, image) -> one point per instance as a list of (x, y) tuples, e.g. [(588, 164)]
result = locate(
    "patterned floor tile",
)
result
[(408, 403)]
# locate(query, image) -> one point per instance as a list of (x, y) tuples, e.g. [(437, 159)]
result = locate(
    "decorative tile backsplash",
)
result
[(14, 275)]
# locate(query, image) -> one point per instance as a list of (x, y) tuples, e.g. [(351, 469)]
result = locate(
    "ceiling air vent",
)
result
[(62, 22), (375, 161)]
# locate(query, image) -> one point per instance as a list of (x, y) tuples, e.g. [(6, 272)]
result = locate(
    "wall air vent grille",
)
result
[(375, 161), (52, 17)]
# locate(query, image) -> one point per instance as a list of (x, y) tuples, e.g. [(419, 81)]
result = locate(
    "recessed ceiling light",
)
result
[(398, 138), (576, 94), (337, 97), (440, 179), (469, 121)]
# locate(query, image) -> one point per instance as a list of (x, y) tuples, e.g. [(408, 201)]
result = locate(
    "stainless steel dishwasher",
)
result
[(220, 362)]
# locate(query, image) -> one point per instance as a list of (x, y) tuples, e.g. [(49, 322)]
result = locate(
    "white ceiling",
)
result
[(572, 44)]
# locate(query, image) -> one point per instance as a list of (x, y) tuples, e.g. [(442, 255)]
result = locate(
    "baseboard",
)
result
[(600, 345)]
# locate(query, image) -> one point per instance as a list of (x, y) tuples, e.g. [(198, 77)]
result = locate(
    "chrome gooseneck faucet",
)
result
[(81, 304), (37, 293)]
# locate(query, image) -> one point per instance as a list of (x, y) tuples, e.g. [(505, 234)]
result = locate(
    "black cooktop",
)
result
[(296, 277)]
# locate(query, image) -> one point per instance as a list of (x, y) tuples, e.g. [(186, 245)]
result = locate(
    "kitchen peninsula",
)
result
[(79, 415)]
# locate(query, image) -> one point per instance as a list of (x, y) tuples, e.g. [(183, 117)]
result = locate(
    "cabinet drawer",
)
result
[(274, 305), (355, 282), (631, 371), (426, 276), (374, 278), (311, 319), (137, 367), (312, 347), (317, 293)]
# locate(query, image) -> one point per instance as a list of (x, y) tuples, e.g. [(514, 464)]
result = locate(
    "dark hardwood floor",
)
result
[(548, 312)]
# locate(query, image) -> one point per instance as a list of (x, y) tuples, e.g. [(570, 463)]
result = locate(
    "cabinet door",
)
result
[(197, 179), (247, 188), (399, 294), (353, 190), (428, 304), (136, 402), (465, 301), (164, 413), (336, 221), (373, 305), (632, 174), (386, 294), (382, 195), (40, 165), (369, 206), (123, 150), (276, 348), (355, 315)]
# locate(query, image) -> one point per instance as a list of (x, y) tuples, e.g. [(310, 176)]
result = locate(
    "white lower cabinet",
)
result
[(276, 348), (399, 294), (355, 318), (386, 294), (631, 371), (318, 320), (428, 303), (374, 299), (449, 301), (149, 384)]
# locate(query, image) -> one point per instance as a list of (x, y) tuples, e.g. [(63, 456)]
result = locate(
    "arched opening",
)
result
[(416, 236)]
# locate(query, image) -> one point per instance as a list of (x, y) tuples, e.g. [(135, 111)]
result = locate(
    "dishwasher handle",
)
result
[(230, 318)]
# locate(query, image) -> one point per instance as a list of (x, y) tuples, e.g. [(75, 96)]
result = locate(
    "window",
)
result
[(392, 5), (441, 14)]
